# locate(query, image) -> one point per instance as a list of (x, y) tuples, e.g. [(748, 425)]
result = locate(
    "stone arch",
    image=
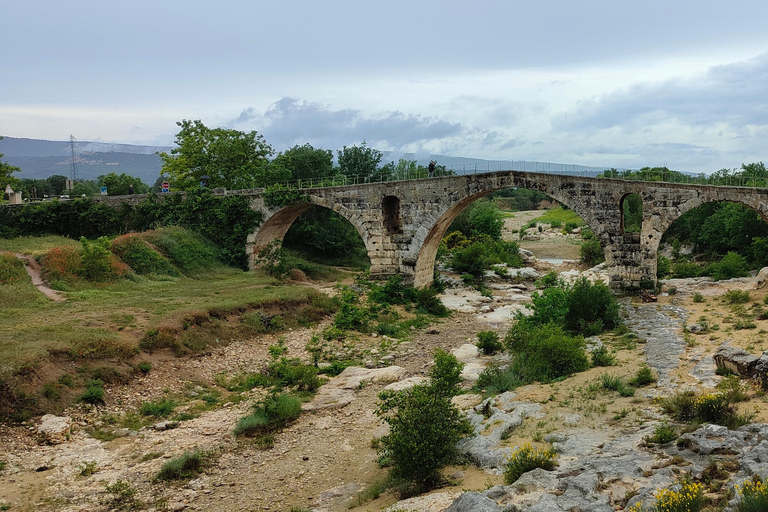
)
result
[(390, 209), (428, 241), (277, 222), (632, 236)]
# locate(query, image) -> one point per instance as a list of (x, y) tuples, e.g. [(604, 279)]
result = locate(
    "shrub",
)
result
[(601, 357), (526, 459), (545, 352), (495, 380), (428, 302), (591, 252), (753, 496), (488, 342), (94, 392), (122, 496), (731, 265), (643, 377), (689, 498), (592, 308), (697, 297), (663, 266), (685, 269), (97, 262), (548, 280), (736, 297), (350, 315), (88, 467), (717, 408), (144, 367), (190, 252), (662, 434), (185, 466), (424, 425)]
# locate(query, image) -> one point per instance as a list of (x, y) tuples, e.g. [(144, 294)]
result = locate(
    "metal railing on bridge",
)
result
[(654, 175)]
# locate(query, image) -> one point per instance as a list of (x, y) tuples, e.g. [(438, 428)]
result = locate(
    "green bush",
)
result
[(545, 352), (717, 408), (697, 297), (94, 392), (663, 266), (97, 262), (643, 377), (424, 426), (601, 357), (662, 434), (186, 466), (548, 280), (685, 269), (730, 266), (592, 308), (350, 315), (591, 252), (527, 459), (736, 297), (494, 380), (488, 342)]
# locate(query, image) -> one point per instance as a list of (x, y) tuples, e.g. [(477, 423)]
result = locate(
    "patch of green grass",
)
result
[(94, 393), (662, 434), (186, 466), (601, 357), (643, 377), (158, 408), (561, 216)]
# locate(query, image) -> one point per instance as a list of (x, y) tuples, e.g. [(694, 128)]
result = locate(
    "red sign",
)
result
[(166, 187)]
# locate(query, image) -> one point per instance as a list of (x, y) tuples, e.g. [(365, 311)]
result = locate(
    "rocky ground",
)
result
[(323, 460)]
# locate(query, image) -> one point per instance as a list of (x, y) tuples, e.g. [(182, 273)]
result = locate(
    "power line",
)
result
[(73, 157)]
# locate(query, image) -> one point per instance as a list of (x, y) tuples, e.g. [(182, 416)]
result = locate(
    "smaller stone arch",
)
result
[(390, 210), (631, 217)]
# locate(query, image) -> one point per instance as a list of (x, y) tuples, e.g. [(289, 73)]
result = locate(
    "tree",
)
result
[(359, 160), (5, 172), (304, 162), (231, 158), (120, 184)]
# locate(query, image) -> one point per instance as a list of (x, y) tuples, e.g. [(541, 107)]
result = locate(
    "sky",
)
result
[(681, 83)]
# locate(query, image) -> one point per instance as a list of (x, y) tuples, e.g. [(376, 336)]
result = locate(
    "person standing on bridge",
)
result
[(431, 168)]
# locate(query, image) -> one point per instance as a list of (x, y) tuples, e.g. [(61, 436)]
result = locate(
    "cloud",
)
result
[(290, 121), (736, 94)]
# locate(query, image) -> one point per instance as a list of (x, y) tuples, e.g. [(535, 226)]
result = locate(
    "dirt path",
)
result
[(33, 270)]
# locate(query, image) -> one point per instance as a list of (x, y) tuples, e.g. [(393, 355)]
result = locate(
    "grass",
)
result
[(185, 466), (562, 216), (100, 321), (158, 408)]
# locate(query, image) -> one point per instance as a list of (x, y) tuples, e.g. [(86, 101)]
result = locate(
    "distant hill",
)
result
[(42, 158)]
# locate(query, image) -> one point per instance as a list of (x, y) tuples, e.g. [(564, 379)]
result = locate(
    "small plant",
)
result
[(121, 496), (158, 408), (663, 434), (753, 495), (144, 367), (736, 297), (698, 298), (526, 459), (88, 467), (672, 290), (601, 357), (94, 392), (488, 342), (185, 466), (273, 413), (643, 377), (611, 382)]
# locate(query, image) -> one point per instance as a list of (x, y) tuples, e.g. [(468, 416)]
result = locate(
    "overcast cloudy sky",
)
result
[(682, 83)]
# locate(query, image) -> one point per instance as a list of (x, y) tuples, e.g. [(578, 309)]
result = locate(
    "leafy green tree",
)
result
[(633, 213), (58, 183), (325, 234), (304, 162), (424, 426), (6, 170), (403, 169), (120, 184), (359, 160), (486, 219), (231, 158)]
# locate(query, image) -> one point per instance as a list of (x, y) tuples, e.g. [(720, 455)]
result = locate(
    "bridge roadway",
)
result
[(402, 222)]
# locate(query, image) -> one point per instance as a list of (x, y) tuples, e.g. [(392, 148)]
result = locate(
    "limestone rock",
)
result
[(473, 502), (54, 429), (737, 360)]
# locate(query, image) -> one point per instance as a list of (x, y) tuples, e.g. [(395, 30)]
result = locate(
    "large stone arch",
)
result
[(427, 239), (276, 222)]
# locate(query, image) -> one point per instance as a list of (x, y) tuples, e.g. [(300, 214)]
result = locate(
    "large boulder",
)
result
[(54, 429)]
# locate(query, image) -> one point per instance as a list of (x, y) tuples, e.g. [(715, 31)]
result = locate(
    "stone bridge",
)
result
[(402, 222)]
